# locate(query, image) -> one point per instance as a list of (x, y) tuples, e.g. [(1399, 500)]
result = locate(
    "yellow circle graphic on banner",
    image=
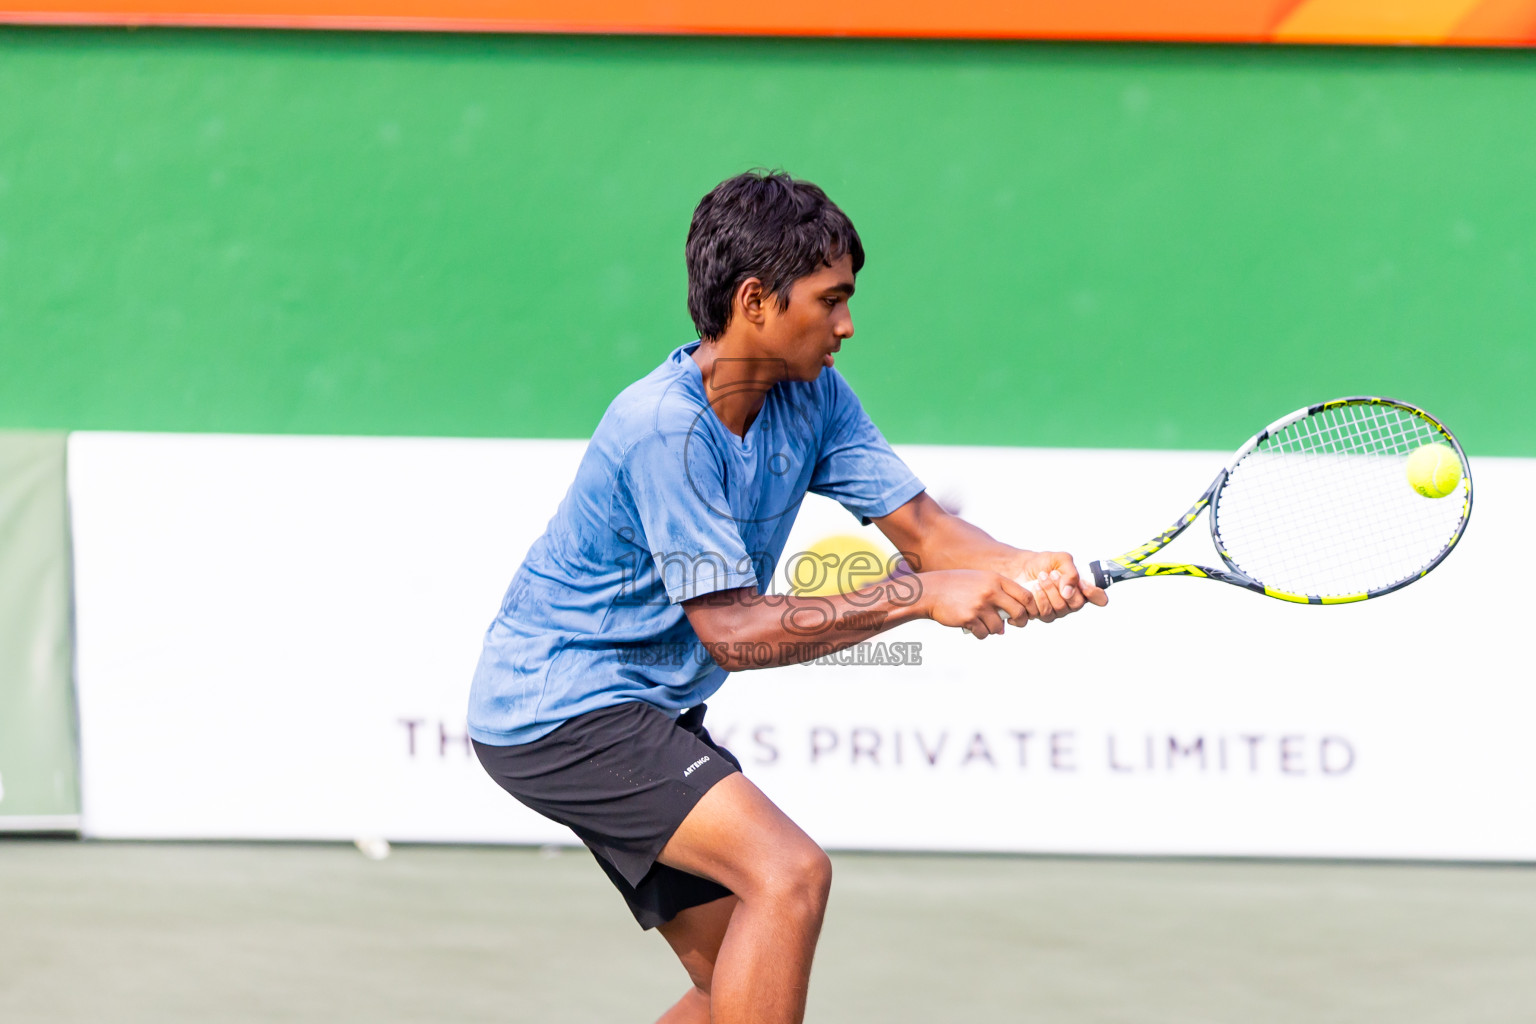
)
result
[(837, 564)]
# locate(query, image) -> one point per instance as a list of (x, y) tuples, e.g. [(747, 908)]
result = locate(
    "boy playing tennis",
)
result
[(649, 584)]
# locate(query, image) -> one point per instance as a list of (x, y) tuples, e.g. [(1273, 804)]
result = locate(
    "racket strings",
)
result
[(1323, 506), (1355, 487)]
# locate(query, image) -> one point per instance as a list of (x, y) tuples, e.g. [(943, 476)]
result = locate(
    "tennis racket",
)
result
[(1317, 508)]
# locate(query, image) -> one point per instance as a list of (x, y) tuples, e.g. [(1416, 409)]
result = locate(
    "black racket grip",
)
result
[(1100, 577)]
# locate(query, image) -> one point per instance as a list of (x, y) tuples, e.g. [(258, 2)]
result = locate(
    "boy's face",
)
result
[(816, 322)]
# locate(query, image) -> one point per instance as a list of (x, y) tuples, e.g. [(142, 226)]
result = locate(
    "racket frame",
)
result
[(1133, 564)]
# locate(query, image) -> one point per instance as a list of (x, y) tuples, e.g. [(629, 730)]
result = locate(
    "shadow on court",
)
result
[(125, 932)]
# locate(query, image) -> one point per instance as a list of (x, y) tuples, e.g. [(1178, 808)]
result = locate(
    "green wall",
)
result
[(1142, 246)]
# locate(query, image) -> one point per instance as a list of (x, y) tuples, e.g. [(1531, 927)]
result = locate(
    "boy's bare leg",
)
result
[(737, 837), (695, 936)]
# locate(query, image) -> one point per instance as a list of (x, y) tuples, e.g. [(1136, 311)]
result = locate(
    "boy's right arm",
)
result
[(743, 629)]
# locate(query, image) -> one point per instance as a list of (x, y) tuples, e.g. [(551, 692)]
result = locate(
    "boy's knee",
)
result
[(701, 972), (817, 872), (800, 878)]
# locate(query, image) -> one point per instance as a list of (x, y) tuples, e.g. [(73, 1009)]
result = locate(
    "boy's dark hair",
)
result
[(761, 224)]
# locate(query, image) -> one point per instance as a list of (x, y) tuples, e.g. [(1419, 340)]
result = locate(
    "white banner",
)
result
[(276, 636)]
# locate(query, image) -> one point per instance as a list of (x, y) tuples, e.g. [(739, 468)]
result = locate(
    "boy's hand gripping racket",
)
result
[(1326, 506)]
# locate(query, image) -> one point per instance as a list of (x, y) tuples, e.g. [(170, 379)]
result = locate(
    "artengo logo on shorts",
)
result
[(689, 770)]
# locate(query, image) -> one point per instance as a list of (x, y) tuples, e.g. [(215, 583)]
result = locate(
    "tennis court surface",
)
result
[(167, 933)]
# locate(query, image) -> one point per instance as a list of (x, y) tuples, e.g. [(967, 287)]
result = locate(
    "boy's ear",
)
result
[(749, 300)]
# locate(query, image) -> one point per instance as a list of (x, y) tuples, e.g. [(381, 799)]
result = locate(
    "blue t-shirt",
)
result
[(667, 505)]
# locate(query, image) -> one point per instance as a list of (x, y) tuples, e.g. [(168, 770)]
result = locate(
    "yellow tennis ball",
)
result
[(1434, 470)]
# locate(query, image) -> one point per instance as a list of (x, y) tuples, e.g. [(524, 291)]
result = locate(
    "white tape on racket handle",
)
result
[(1002, 612)]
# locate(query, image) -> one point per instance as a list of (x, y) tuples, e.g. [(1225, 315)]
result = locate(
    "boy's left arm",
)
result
[(930, 538)]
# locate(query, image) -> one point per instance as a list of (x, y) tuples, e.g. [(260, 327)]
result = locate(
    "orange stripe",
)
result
[(1509, 22), (1370, 21), (1497, 22), (1213, 20)]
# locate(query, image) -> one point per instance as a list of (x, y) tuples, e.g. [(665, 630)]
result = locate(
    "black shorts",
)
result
[(622, 778)]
